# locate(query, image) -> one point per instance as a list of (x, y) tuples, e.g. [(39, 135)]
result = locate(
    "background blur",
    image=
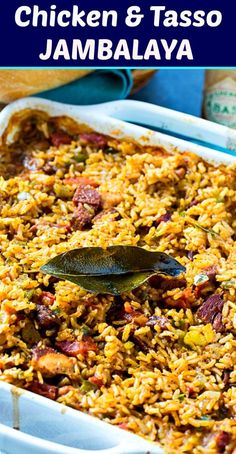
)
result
[(180, 89)]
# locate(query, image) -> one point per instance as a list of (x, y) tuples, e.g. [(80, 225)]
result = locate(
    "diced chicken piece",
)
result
[(110, 200), (50, 363)]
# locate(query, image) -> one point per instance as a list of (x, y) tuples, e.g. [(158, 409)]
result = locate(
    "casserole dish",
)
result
[(24, 411)]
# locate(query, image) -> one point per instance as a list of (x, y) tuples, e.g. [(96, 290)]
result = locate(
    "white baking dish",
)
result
[(47, 427)]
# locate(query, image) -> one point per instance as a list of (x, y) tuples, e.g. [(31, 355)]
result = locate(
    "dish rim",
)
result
[(119, 129)]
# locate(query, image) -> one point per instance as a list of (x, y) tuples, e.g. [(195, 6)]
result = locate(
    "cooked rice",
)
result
[(172, 382)]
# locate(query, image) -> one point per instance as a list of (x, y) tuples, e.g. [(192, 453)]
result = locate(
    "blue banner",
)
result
[(107, 33)]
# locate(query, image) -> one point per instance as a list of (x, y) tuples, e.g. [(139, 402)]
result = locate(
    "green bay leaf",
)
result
[(114, 270), (112, 284), (96, 261)]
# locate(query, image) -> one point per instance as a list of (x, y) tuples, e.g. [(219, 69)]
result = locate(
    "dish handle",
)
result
[(177, 123)]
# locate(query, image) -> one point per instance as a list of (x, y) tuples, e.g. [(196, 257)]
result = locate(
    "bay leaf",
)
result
[(114, 270), (111, 284), (96, 261)]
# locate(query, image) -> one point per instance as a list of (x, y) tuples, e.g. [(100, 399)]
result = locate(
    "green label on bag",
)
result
[(220, 103)]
